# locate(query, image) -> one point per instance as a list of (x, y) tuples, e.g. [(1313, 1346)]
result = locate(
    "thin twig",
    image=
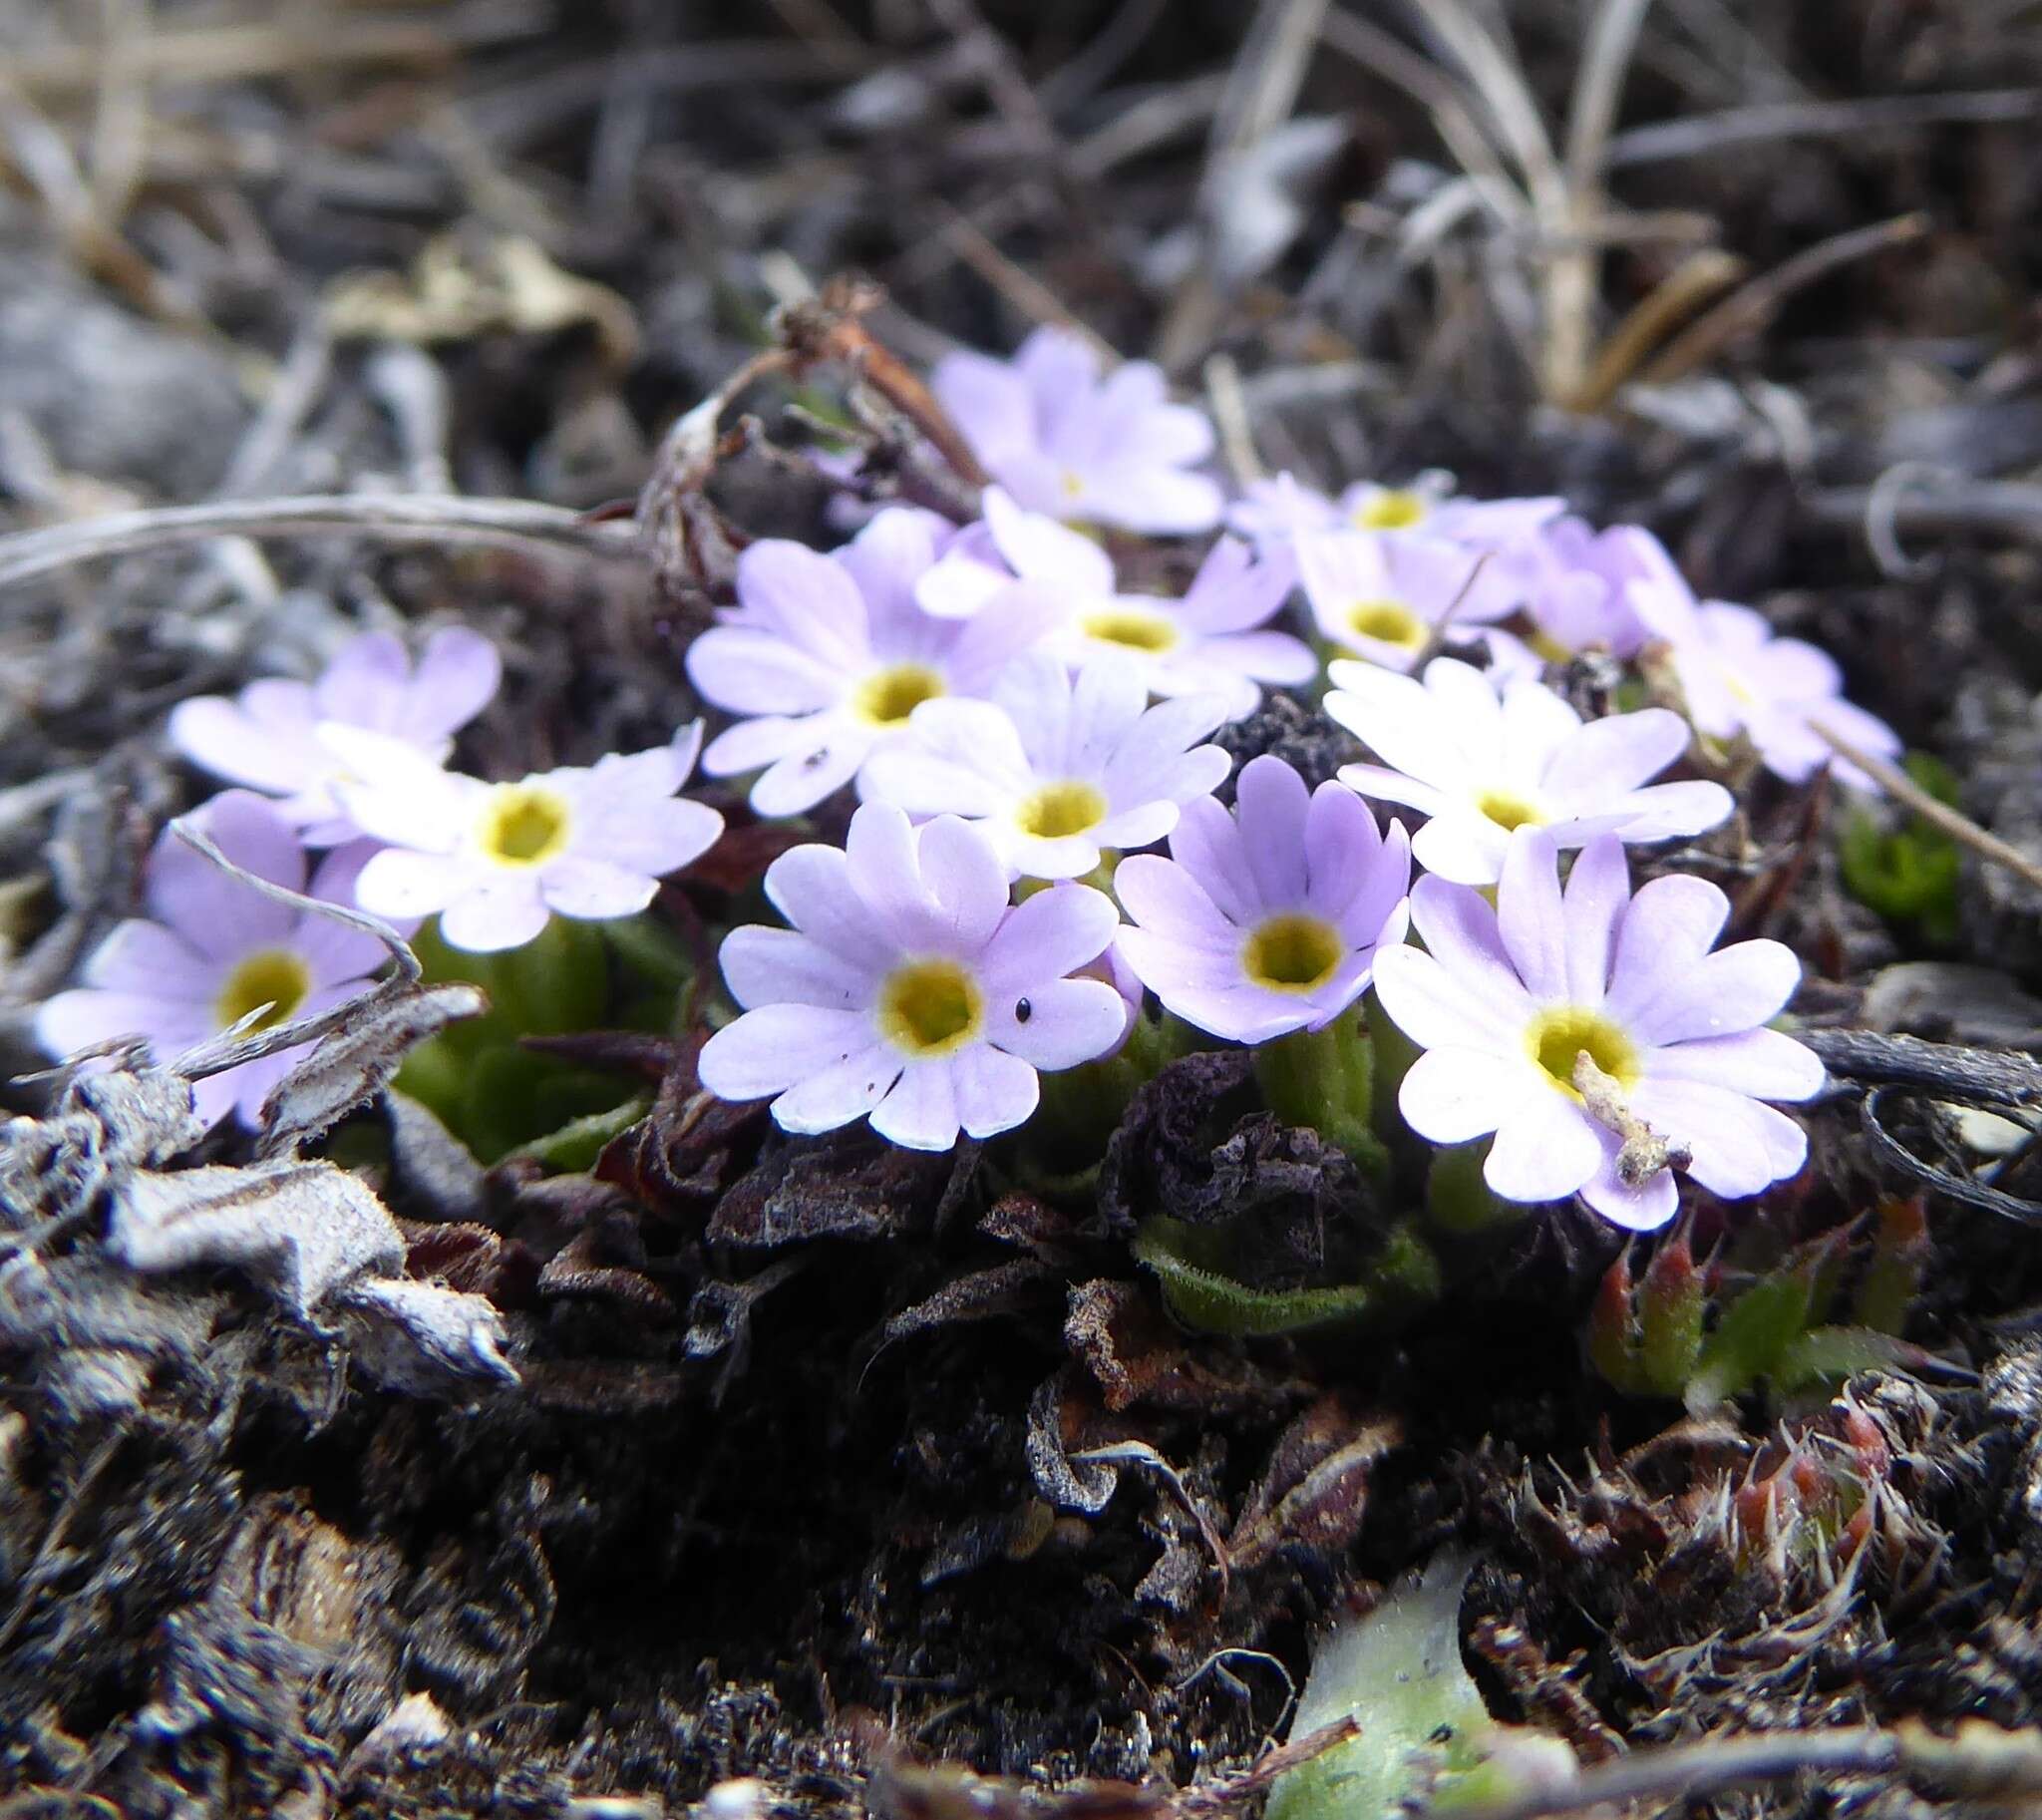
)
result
[(384, 518), (1939, 815), (2011, 508), (1229, 405), (1697, 134)]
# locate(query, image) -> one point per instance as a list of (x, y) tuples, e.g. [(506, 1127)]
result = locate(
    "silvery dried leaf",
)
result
[(304, 1228), (104, 1124), (414, 1335), (348, 1066)]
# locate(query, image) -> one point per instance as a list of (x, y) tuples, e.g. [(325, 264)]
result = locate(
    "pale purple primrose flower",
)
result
[(828, 656), (1383, 597), (1505, 1001), (1062, 441), (1577, 585), (1274, 512), (1736, 676), (267, 737), (909, 990), (212, 952), (495, 861), (1482, 761), (1267, 919), (1053, 771), (1211, 642)]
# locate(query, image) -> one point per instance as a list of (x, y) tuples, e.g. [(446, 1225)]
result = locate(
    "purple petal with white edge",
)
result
[(1162, 735), (1167, 898), (1766, 1065), (364, 684), (1139, 827), (1038, 548), (488, 917), (1529, 914), (1034, 692), (987, 400), (649, 839), (1668, 929), (1104, 705), (151, 962), (1007, 625), (395, 882), (1382, 785), (79, 1018), (1636, 1209), (888, 560), (217, 735), (1438, 1010), (1738, 1145), (912, 777), (215, 913), (334, 951), (772, 1047), (1204, 992), (1607, 757), (763, 966), (752, 744), (1736, 988), (1462, 847), (883, 867), (811, 603), (1271, 657), (1453, 1096), (594, 889), (995, 1092), (1598, 891), (920, 1113), (980, 737), (837, 1095), (1665, 812), (1271, 808), (812, 887), (746, 670), (1069, 1022), (1343, 849), (797, 782), (1207, 845), (458, 675), (1234, 589), (1052, 934), (1545, 1147), (966, 883)]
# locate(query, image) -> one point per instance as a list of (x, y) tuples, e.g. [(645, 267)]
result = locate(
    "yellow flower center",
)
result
[(523, 824), (1057, 810), (1073, 484), (1388, 622), (1549, 648), (1293, 952), (1393, 509), (1559, 1033), (1507, 809), (930, 1008), (1131, 626), (272, 976), (888, 697)]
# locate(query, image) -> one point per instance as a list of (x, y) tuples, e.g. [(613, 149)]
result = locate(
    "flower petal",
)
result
[(1766, 1065), (490, 917), (1271, 808), (1736, 988), (1529, 914), (1545, 1147), (216, 913), (1045, 937), (1453, 1095), (772, 1047), (995, 1091), (1069, 1022), (763, 966), (1599, 890), (920, 1113)]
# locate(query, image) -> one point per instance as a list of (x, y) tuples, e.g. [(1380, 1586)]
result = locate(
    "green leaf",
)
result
[(577, 1144), (1751, 1339), (1405, 1278)]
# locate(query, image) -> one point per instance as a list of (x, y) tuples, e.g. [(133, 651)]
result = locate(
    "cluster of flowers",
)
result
[(1013, 722)]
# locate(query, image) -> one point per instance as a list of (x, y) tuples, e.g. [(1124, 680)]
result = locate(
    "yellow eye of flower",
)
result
[(274, 978), (1057, 810), (1394, 509), (1129, 627), (1293, 952), (889, 696), (930, 1008), (523, 824), (1388, 622), (1560, 1032), (1507, 809)]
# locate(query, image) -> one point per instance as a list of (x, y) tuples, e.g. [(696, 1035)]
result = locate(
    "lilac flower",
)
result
[(1278, 510), (1577, 585), (267, 737), (1207, 643), (1064, 442), (1481, 762), (909, 990), (212, 952), (1053, 771), (1505, 1001), (1384, 597), (1267, 919), (495, 861), (828, 656), (1736, 676)]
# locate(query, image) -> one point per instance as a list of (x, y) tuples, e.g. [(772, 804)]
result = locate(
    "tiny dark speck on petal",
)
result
[(1023, 1010)]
